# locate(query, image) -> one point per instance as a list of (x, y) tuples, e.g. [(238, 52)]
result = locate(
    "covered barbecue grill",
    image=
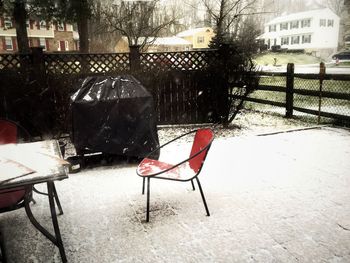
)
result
[(113, 115)]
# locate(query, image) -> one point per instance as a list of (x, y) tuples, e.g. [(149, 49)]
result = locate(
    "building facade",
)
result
[(159, 44), (199, 37), (314, 31), (50, 36)]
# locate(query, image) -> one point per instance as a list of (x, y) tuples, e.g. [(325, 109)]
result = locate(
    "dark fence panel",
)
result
[(14, 62), (188, 60), (181, 97), (86, 63), (44, 82)]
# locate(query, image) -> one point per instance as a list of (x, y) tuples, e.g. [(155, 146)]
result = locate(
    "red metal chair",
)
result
[(184, 171), (11, 199)]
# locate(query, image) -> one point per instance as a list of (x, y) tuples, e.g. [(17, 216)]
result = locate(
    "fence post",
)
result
[(222, 79), (289, 90), (38, 70), (321, 77), (135, 59)]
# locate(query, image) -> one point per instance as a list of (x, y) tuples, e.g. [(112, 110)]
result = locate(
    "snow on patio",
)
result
[(275, 198)]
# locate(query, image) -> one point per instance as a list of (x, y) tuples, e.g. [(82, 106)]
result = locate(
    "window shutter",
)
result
[(47, 25), (37, 24), (2, 22), (30, 42), (56, 26), (65, 26), (38, 39), (47, 44), (31, 24), (4, 43), (14, 43)]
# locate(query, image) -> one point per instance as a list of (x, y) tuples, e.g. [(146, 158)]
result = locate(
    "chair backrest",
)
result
[(202, 140), (9, 199), (8, 132)]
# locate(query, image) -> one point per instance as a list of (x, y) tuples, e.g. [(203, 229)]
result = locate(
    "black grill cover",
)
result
[(113, 115)]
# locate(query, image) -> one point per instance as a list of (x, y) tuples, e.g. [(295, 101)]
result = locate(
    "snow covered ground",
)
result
[(274, 198)]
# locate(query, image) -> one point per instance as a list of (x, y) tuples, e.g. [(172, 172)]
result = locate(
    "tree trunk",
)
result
[(20, 17), (83, 34)]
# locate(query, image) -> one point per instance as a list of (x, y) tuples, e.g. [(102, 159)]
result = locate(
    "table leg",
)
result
[(56, 240), (3, 257)]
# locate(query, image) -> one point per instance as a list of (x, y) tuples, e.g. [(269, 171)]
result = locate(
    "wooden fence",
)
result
[(39, 84), (321, 95), (36, 88)]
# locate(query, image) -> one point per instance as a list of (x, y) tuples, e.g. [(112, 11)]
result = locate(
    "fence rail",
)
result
[(320, 95)]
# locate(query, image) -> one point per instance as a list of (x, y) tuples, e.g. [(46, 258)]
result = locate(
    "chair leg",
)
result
[(148, 197), (143, 185), (51, 189), (205, 203), (55, 239), (57, 200), (193, 185)]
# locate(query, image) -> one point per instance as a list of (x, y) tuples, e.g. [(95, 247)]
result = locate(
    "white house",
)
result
[(315, 31)]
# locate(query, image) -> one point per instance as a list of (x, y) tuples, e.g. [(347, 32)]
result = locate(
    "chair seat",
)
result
[(11, 197), (149, 167)]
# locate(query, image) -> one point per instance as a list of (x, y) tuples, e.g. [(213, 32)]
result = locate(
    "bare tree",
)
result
[(100, 39), (227, 15), (337, 6), (136, 20)]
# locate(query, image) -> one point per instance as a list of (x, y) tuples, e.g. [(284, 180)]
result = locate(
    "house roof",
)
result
[(165, 41), (168, 41), (193, 31), (300, 15)]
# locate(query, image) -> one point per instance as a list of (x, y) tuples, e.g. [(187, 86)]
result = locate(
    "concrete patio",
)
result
[(274, 198)]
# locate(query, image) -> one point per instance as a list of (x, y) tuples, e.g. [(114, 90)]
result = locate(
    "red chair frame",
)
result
[(10, 131), (191, 167)]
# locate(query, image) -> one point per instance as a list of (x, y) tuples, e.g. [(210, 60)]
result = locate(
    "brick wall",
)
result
[(66, 36)]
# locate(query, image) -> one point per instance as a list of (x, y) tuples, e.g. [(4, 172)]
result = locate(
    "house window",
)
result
[(8, 43), (305, 23), (42, 24), (306, 39), (8, 23), (272, 28), (285, 41), (295, 40), (322, 22), (60, 27), (294, 24), (330, 23), (200, 39), (42, 43), (284, 26)]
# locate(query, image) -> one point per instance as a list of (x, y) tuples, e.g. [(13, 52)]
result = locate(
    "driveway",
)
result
[(274, 198)]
